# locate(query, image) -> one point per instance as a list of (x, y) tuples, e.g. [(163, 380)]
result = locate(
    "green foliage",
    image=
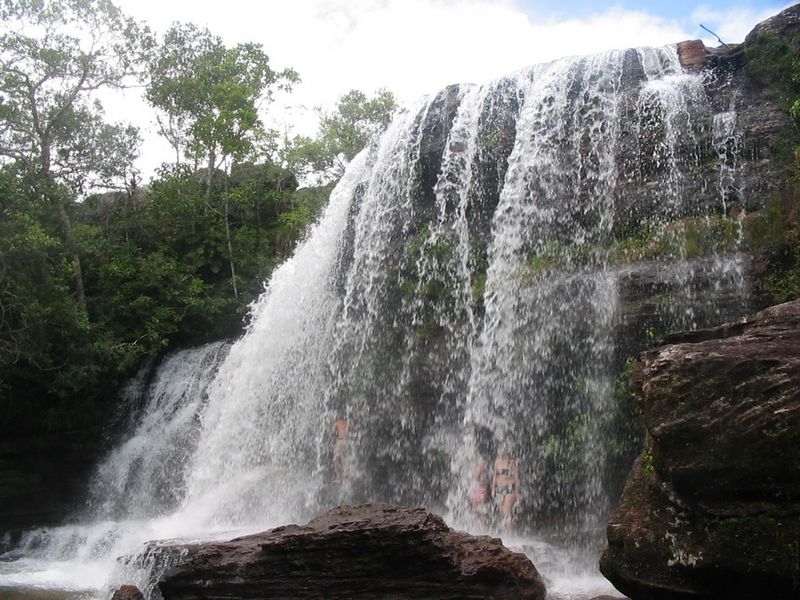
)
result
[(554, 255), (648, 463), (342, 133), (683, 238), (771, 232), (621, 422), (89, 287), (54, 56), (183, 232), (776, 64), (430, 283), (617, 425), (43, 329), (622, 428), (775, 233), (156, 272), (567, 451), (208, 94), (686, 238), (54, 127), (356, 119), (308, 156)]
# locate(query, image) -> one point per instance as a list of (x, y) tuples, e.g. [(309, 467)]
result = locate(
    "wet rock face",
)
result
[(365, 551), (723, 407), (712, 508)]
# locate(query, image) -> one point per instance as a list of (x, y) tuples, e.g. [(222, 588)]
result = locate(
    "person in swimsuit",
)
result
[(480, 494), (341, 449), (506, 488)]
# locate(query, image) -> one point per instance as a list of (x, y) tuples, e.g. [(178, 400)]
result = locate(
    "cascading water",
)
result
[(138, 483), (144, 475), (465, 292)]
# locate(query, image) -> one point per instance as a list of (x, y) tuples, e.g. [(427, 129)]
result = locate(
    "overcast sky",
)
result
[(416, 47)]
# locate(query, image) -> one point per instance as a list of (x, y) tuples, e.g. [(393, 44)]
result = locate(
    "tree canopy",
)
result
[(208, 95), (98, 274), (53, 56), (343, 132)]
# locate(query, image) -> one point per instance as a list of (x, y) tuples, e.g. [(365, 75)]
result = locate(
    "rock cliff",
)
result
[(712, 508)]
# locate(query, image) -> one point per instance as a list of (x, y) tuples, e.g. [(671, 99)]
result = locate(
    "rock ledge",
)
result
[(712, 508), (365, 551)]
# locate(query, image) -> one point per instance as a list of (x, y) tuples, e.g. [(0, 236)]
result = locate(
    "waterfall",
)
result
[(466, 292), (133, 488), (143, 475)]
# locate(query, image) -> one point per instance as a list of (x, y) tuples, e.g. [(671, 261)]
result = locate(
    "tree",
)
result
[(343, 133), (45, 346), (209, 96), (54, 55), (356, 119)]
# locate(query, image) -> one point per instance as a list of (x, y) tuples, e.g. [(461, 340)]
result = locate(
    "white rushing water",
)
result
[(445, 314)]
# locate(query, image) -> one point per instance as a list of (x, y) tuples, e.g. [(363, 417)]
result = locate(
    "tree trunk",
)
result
[(230, 245), (212, 159), (52, 194), (72, 247)]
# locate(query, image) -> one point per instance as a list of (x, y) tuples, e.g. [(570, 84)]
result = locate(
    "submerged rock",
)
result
[(365, 551), (712, 508)]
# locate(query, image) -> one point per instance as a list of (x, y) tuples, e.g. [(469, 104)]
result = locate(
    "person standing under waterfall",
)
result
[(506, 488), (480, 491), (480, 494), (341, 449)]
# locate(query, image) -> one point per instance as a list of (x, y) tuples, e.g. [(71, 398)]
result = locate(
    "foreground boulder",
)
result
[(712, 508), (366, 551), (127, 592)]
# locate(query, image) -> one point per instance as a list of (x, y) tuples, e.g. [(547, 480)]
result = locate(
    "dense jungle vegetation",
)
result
[(99, 270)]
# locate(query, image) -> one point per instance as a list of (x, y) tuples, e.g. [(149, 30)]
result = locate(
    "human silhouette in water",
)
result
[(506, 488), (341, 450), (480, 493)]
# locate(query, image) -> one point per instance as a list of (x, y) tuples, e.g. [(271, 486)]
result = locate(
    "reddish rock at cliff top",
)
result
[(366, 551), (693, 54)]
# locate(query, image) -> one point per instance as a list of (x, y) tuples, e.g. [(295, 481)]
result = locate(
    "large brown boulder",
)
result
[(712, 508), (366, 551)]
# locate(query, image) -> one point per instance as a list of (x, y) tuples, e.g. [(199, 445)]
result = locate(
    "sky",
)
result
[(416, 47)]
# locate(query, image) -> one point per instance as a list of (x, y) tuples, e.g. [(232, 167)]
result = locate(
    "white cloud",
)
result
[(411, 47)]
